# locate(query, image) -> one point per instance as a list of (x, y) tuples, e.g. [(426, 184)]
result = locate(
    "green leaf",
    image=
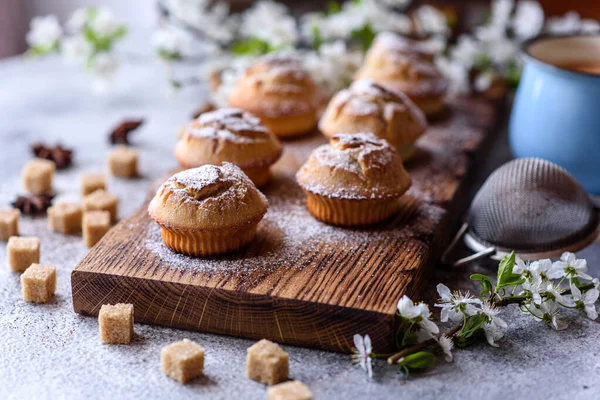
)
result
[(364, 36), (168, 55), (513, 74), (251, 46), (505, 274), (485, 281), (317, 41), (419, 360), (482, 61), (471, 326), (120, 32), (333, 7)]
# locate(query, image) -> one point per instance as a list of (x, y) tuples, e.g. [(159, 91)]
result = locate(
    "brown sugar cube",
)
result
[(22, 252), (37, 176), (65, 218), (92, 182), (267, 363), (122, 161), (38, 283), (9, 223), (182, 361), (116, 323), (101, 200), (95, 226), (292, 390)]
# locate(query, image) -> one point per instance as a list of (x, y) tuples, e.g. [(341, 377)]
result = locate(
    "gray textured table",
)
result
[(47, 351)]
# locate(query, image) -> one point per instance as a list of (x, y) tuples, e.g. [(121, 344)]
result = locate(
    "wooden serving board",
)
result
[(300, 282)]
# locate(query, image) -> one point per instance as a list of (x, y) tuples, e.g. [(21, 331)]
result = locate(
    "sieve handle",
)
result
[(483, 253), (452, 245), (461, 232)]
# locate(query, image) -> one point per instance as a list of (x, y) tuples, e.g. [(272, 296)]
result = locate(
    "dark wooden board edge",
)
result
[(331, 324)]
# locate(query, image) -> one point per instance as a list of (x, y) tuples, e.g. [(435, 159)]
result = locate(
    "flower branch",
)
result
[(538, 288)]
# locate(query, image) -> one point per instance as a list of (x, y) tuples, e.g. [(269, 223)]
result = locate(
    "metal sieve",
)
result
[(532, 207)]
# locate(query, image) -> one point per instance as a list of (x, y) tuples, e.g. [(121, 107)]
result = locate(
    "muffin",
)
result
[(368, 107), (208, 210), (356, 180), (229, 134), (396, 64), (281, 93)]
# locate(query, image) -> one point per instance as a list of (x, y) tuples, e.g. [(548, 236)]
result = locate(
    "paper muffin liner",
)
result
[(346, 212), (208, 243), (288, 126)]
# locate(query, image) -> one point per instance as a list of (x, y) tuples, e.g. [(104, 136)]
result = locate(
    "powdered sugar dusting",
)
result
[(195, 178), (285, 236), (229, 124)]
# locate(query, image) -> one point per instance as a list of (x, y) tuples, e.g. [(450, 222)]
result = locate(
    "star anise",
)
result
[(204, 108), (34, 204), (59, 154), (120, 135)]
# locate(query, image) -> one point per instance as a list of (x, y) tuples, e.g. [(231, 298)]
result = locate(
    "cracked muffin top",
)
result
[(210, 197), (355, 166), (227, 134)]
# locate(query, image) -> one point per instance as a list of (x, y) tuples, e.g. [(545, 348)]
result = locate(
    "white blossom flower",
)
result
[(213, 19), (571, 22), (446, 344), (467, 51), (171, 41), (555, 293), (484, 80), (271, 22), (362, 353), (596, 283), (491, 329), (333, 66), (434, 45), (534, 289), (75, 49), (533, 271), (432, 21), (103, 22), (455, 72), (549, 313), (44, 33), (407, 308), (569, 266), (381, 19), (499, 22), (492, 334), (455, 304), (420, 311), (502, 50), (77, 21), (586, 302), (528, 20)]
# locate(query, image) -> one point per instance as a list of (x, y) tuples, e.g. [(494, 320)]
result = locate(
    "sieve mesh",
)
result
[(531, 205)]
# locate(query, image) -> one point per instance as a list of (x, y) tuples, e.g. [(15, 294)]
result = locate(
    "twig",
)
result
[(393, 359), (420, 346)]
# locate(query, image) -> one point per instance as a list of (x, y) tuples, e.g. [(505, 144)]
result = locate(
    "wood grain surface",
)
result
[(300, 282)]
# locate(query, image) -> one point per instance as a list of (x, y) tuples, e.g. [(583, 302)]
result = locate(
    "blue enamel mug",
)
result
[(556, 111)]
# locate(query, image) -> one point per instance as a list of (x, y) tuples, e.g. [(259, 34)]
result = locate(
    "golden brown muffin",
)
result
[(399, 65), (356, 180), (230, 134), (208, 210), (281, 93), (368, 107)]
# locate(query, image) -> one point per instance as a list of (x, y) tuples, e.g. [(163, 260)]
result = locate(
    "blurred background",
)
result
[(141, 15)]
